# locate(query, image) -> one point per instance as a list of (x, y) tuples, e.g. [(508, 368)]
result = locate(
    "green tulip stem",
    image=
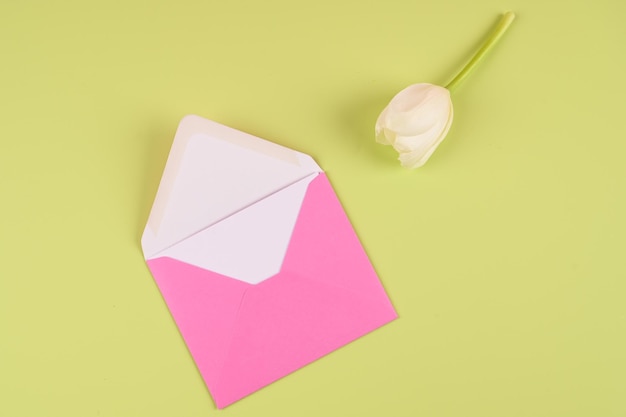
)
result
[(493, 38)]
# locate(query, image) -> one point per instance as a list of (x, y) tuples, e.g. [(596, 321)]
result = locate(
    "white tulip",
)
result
[(418, 118), (415, 122)]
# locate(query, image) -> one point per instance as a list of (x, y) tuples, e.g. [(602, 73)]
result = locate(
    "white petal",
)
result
[(422, 140), (416, 108), (380, 127), (419, 156)]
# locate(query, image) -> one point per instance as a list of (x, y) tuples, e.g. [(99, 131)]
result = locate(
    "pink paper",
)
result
[(243, 336)]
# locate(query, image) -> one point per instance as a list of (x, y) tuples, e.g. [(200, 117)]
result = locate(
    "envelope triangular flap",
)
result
[(212, 172), (251, 244)]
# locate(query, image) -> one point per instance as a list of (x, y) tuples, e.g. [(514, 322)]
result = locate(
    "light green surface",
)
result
[(504, 255)]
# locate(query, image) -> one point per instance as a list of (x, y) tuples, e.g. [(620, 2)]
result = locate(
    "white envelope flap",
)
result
[(212, 173), (251, 244)]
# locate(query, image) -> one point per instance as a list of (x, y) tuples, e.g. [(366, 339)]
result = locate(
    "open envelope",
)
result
[(256, 259)]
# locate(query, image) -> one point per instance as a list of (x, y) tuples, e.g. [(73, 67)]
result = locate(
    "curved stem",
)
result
[(478, 56)]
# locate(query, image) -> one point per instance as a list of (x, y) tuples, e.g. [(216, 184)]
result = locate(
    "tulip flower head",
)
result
[(418, 118), (415, 122)]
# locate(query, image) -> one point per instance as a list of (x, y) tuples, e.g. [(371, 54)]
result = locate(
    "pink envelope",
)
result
[(256, 259)]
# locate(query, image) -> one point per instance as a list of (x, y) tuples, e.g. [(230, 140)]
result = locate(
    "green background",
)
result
[(504, 255)]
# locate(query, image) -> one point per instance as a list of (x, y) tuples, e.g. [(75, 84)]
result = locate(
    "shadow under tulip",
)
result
[(356, 122)]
